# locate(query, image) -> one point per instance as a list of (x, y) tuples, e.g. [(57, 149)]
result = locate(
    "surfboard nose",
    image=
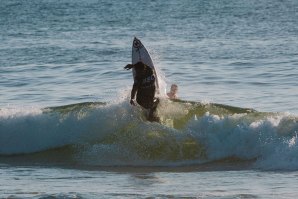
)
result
[(137, 43)]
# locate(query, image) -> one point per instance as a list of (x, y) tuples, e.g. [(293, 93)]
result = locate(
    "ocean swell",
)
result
[(190, 133)]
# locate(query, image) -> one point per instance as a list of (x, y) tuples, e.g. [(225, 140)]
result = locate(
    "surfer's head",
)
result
[(173, 92), (174, 88), (140, 68)]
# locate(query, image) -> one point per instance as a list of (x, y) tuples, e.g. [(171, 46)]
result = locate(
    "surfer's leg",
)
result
[(153, 117), (145, 98)]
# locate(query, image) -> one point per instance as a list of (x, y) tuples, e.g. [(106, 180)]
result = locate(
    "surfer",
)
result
[(173, 93), (144, 89)]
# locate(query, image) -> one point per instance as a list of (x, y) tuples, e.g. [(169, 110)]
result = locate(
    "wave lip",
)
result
[(191, 133), (28, 131)]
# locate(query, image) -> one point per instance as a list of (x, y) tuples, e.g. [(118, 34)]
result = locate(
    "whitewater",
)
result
[(190, 133)]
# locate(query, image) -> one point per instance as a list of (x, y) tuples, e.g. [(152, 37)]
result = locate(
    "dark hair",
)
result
[(139, 66)]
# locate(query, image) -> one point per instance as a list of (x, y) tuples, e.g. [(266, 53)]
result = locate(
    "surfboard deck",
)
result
[(140, 53)]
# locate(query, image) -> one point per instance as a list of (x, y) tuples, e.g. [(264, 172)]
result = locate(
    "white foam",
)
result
[(14, 112), (269, 138)]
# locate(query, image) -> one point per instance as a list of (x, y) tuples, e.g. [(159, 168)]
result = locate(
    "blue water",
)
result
[(68, 131)]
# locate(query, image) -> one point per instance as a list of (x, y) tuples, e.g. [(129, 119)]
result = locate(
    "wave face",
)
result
[(190, 133)]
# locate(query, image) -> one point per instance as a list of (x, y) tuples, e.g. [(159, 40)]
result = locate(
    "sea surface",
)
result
[(67, 129)]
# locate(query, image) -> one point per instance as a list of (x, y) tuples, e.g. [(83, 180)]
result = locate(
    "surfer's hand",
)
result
[(132, 102), (128, 66)]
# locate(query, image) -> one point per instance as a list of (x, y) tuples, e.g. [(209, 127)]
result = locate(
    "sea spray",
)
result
[(101, 134)]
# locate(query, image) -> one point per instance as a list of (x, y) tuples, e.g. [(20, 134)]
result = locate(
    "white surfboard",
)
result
[(140, 53)]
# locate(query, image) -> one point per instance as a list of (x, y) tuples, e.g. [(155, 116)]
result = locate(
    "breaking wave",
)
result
[(190, 133)]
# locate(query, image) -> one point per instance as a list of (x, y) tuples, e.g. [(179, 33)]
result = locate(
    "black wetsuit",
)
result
[(144, 88), (144, 85)]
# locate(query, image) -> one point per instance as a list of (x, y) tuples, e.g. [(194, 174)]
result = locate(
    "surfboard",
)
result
[(140, 53)]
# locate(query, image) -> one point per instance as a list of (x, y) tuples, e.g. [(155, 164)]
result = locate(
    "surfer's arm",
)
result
[(128, 66), (134, 90)]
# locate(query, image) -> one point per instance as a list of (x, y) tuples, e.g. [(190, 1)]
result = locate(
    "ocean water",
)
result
[(67, 129)]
